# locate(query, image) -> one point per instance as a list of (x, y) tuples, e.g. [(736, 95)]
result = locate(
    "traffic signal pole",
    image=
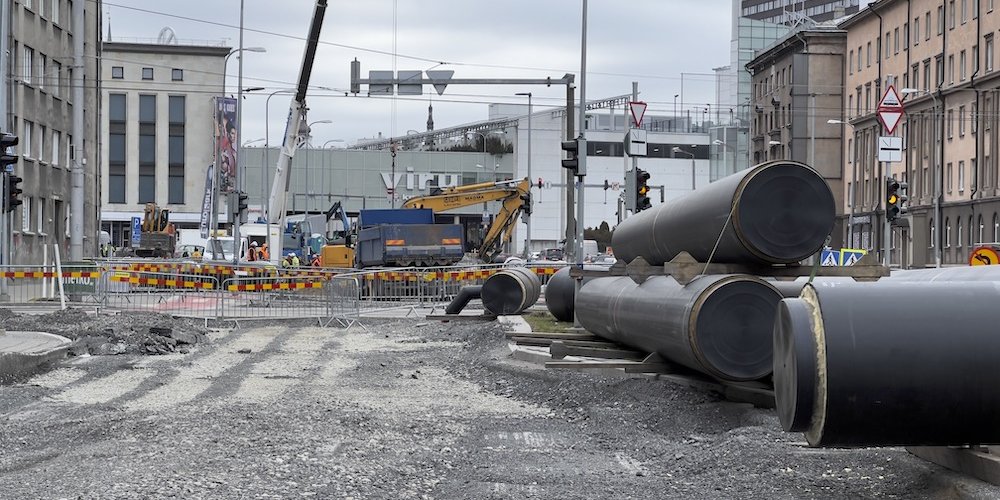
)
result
[(582, 124)]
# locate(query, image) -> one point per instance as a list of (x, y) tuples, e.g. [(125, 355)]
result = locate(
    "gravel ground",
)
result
[(408, 409)]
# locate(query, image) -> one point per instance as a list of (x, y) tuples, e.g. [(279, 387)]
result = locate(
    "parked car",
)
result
[(553, 254)]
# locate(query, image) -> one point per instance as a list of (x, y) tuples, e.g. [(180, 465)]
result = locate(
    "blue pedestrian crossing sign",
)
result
[(849, 256), (829, 257)]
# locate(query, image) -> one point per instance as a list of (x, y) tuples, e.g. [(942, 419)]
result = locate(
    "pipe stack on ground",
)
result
[(880, 364), (560, 292), (511, 291), (718, 325), (775, 213)]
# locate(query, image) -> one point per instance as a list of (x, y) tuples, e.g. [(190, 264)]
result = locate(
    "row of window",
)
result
[(35, 217), (38, 142), (50, 9), (147, 73), (973, 238), (146, 169), (47, 74)]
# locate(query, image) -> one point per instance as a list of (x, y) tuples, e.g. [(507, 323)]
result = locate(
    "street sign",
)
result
[(890, 148), (440, 78), (849, 256), (638, 109), (136, 230), (829, 257), (635, 142), (890, 109), (984, 256)]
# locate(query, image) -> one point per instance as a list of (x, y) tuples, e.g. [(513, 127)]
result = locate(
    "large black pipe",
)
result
[(889, 363), (717, 325), (775, 213), (462, 299), (963, 273), (511, 291), (560, 292)]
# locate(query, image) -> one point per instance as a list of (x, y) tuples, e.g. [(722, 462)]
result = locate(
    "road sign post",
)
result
[(890, 112)]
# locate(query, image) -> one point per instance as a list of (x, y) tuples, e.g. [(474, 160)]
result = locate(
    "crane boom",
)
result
[(516, 198), (293, 139)]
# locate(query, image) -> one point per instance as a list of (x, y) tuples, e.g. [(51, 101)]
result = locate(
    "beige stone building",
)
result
[(796, 91), (941, 58)]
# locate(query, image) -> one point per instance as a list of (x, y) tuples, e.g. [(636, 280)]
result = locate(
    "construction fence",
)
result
[(243, 292)]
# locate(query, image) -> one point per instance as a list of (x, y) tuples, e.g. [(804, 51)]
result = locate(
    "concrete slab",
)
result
[(22, 353)]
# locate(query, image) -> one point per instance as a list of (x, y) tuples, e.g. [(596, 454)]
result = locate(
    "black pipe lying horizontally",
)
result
[(889, 363), (775, 213), (717, 325), (467, 293)]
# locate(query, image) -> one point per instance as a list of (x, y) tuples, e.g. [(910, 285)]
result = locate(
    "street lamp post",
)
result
[(308, 186), (325, 169), (218, 152), (267, 154), (527, 219), (679, 150), (725, 150)]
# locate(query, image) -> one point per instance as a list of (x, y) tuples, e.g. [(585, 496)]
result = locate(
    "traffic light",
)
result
[(892, 199), (572, 161), (903, 198), (13, 195), (7, 157), (242, 208), (641, 190)]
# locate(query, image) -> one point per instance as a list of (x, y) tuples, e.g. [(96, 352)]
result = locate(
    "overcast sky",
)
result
[(649, 41)]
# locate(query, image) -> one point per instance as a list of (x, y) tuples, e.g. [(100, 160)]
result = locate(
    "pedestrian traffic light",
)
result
[(641, 190), (572, 161), (892, 199), (13, 195), (903, 198)]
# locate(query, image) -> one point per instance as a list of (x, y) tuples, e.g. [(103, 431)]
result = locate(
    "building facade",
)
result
[(940, 56), (797, 100), (794, 11), (157, 126), (40, 102)]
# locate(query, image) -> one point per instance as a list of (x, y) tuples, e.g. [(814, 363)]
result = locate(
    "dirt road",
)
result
[(408, 409)]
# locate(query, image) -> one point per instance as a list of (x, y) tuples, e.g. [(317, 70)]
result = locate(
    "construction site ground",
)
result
[(396, 408)]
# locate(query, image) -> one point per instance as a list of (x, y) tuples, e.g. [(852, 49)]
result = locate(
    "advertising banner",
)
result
[(227, 142)]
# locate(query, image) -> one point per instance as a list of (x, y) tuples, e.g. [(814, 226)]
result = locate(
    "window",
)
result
[(939, 66), (42, 131), (895, 41), (947, 233), (26, 139), (40, 215), (989, 52), (850, 152), (951, 69), (906, 36), (147, 73), (177, 75), (176, 109), (996, 228), (859, 58), (868, 56), (54, 11), (958, 233), (951, 14), (850, 62), (961, 66), (961, 176), (56, 140), (175, 149), (57, 78), (116, 107), (116, 147), (974, 117), (43, 64), (965, 10), (930, 227), (916, 31), (927, 25), (940, 17), (118, 72), (147, 108), (980, 233), (147, 168), (961, 121), (888, 46), (29, 65), (948, 177), (916, 75), (950, 125)]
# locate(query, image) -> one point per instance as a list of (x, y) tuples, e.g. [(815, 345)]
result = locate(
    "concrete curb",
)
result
[(22, 353)]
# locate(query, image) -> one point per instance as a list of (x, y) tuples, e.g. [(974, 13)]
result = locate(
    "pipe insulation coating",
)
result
[(511, 291), (872, 364), (778, 212), (717, 325)]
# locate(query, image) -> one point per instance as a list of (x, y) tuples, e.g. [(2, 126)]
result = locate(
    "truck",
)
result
[(407, 237), (158, 237)]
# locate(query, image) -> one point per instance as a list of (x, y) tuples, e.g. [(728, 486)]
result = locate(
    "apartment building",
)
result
[(940, 56), (40, 101)]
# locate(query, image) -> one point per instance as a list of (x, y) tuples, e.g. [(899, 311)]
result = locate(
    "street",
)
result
[(408, 409)]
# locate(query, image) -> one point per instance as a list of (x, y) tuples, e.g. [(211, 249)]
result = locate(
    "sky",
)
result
[(658, 43)]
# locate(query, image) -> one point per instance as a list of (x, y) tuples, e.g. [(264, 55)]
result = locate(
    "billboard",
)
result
[(227, 142)]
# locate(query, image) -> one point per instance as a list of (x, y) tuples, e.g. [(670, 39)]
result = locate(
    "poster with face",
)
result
[(227, 138)]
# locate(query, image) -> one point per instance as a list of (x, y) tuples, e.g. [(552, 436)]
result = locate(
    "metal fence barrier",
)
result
[(224, 291)]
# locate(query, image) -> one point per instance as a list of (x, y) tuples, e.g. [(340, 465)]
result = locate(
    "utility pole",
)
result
[(78, 155), (582, 170), (570, 247)]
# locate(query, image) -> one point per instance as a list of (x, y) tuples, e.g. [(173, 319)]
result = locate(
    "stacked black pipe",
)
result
[(774, 213)]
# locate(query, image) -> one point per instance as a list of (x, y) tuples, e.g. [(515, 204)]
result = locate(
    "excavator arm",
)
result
[(516, 197)]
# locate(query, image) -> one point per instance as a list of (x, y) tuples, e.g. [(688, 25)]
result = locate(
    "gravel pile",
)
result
[(104, 334)]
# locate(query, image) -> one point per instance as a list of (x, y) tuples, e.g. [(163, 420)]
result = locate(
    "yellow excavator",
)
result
[(515, 196)]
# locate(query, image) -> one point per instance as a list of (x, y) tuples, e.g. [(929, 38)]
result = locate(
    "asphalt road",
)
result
[(408, 409)]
